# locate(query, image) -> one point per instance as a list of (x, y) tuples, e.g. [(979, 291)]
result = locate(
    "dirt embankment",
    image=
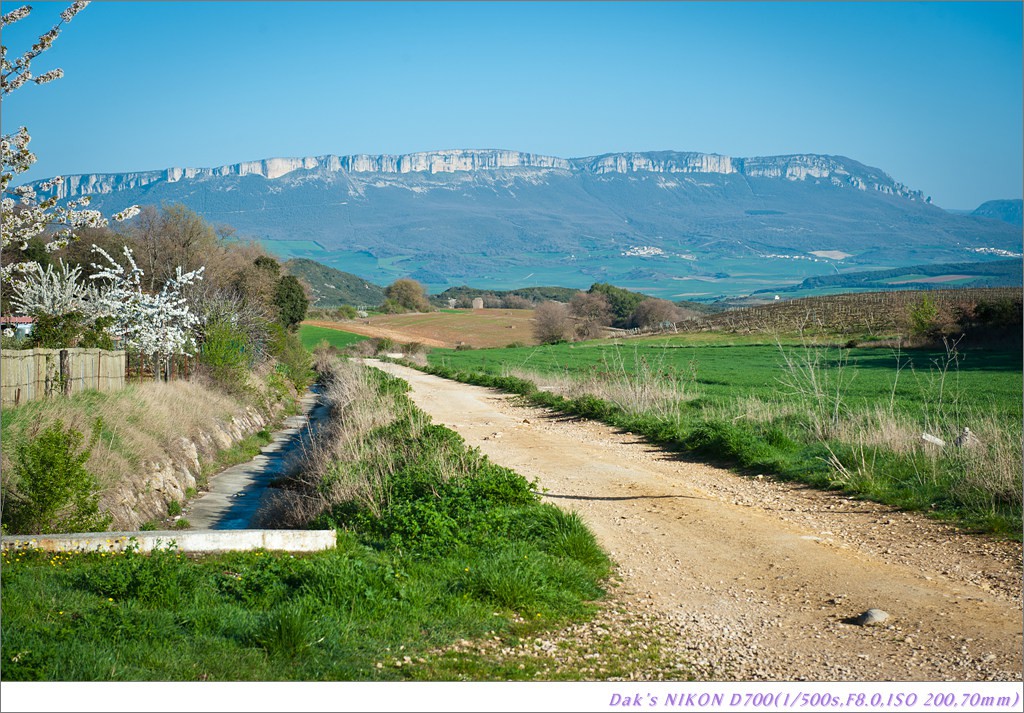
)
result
[(752, 579)]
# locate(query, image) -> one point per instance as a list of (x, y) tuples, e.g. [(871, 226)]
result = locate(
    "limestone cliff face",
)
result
[(837, 170), (659, 162)]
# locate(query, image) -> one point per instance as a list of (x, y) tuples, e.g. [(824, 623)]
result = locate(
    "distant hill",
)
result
[(865, 312), (1008, 211), (333, 288), (671, 224), (998, 273), (541, 294), (533, 294)]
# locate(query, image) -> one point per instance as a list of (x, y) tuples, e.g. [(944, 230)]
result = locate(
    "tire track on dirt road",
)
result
[(755, 577)]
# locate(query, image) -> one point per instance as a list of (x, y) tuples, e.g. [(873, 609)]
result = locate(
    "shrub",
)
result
[(226, 355), (551, 322), (622, 302), (383, 345), (290, 300), (391, 306), (408, 295), (992, 319), (592, 311), (930, 319), (56, 331), (54, 492), (293, 358), (96, 335), (14, 342), (654, 312), (413, 349), (516, 302), (63, 331)]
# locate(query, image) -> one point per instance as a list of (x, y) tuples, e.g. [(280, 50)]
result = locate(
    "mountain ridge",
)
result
[(788, 166), (1007, 210), (677, 225)]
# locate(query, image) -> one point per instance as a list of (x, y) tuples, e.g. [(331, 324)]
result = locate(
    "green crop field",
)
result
[(984, 380), (833, 417), (312, 336)]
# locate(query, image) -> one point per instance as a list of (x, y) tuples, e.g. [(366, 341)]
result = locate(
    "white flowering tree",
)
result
[(54, 291), (158, 325), (24, 216)]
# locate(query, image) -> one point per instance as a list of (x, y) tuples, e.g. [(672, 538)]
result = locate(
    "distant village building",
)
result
[(478, 303), (452, 302), (22, 326)]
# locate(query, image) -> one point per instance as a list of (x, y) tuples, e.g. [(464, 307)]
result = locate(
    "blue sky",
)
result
[(929, 92)]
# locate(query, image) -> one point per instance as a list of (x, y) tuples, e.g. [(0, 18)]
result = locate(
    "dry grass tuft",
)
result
[(358, 407), (643, 388)]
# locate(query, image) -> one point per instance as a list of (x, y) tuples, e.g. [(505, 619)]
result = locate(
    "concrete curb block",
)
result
[(182, 540)]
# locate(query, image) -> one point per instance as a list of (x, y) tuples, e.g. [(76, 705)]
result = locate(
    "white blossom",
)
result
[(15, 15), (55, 292), (150, 324), (23, 216), (73, 10), (126, 214)]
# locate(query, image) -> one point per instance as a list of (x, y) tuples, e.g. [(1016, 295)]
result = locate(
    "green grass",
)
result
[(720, 369), (242, 452), (311, 336), (262, 616), (741, 406), (462, 549)]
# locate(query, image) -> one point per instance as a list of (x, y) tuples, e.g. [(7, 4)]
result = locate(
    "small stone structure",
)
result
[(478, 303)]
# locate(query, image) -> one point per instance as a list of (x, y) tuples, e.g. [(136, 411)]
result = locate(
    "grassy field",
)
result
[(436, 544), (833, 417), (722, 369), (312, 335), (354, 613)]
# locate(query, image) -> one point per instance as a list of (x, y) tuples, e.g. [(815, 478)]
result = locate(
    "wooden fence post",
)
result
[(65, 372), (48, 388)]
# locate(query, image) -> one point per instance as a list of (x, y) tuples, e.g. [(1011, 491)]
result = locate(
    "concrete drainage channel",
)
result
[(220, 517)]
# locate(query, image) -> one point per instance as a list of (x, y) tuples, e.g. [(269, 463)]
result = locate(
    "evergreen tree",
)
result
[(290, 300)]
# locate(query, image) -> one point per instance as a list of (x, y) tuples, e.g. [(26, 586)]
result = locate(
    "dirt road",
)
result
[(752, 579)]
